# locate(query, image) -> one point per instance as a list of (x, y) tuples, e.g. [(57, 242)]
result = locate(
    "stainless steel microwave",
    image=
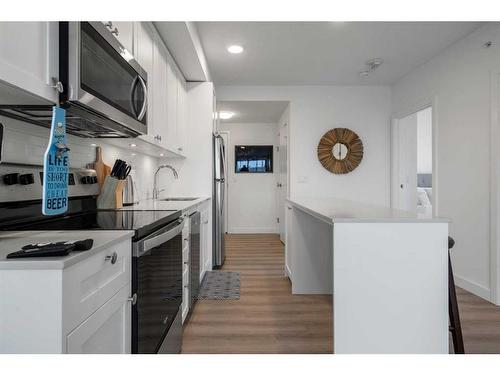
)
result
[(99, 76), (101, 85)]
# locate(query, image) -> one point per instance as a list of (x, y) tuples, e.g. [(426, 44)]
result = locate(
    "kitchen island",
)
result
[(387, 271)]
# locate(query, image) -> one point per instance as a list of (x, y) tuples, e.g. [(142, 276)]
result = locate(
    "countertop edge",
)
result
[(61, 263), (338, 220)]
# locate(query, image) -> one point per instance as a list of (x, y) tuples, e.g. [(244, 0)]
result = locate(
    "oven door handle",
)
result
[(162, 238)]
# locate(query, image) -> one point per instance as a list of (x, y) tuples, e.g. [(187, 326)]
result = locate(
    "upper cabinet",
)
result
[(167, 107), (33, 66), (144, 53), (124, 32)]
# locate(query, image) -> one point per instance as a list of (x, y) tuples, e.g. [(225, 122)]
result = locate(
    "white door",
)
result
[(405, 166), (144, 52), (157, 129), (28, 57), (282, 179), (107, 331)]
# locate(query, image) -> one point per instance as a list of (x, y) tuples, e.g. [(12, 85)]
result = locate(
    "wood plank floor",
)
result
[(269, 319)]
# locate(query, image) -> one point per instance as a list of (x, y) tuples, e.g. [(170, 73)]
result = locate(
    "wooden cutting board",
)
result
[(102, 170)]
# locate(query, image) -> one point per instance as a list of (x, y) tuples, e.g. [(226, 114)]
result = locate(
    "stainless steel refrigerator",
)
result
[(218, 201)]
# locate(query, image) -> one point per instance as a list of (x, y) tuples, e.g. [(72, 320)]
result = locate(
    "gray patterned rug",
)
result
[(220, 285)]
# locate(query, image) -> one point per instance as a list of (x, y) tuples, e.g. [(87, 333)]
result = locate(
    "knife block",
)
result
[(111, 194), (119, 194)]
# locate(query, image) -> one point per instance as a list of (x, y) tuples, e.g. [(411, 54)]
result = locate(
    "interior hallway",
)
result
[(269, 319)]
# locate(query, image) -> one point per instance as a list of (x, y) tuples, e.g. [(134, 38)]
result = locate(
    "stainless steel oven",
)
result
[(100, 76), (157, 290)]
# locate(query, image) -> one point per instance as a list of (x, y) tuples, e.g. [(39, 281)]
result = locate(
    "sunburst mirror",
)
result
[(340, 150)]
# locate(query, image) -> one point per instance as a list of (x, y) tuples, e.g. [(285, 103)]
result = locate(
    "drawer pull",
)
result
[(112, 258), (133, 299), (186, 263)]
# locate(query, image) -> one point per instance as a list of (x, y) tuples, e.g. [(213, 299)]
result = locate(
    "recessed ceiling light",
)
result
[(161, 155), (225, 115), (132, 145), (235, 49), (132, 154), (93, 145)]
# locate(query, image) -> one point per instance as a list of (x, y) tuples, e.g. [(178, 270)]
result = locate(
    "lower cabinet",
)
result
[(185, 268), (84, 308), (205, 240), (107, 331)]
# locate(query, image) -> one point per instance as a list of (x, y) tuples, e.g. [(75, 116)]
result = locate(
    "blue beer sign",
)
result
[(56, 167)]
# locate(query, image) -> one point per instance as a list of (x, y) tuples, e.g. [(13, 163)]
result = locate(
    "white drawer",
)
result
[(89, 284)]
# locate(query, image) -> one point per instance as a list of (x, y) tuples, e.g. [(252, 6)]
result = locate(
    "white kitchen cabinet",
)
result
[(32, 66), (124, 32), (159, 124), (182, 114), (144, 53), (106, 331), (172, 83), (185, 267), (205, 239), (76, 304)]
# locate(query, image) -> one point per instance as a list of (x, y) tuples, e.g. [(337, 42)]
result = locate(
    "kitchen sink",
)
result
[(179, 199)]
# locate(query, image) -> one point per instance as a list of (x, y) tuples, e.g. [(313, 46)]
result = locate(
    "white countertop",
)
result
[(13, 241), (161, 205), (334, 210)]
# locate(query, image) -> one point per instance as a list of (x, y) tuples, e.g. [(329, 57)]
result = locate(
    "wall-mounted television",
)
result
[(253, 159)]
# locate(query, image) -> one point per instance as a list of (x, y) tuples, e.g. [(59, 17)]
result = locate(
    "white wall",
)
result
[(251, 196), (424, 140), (458, 82), (316, 109), (26, 143)]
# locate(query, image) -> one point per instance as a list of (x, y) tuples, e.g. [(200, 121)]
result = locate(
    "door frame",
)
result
[(494, 187), (433, 103), (287, 176)]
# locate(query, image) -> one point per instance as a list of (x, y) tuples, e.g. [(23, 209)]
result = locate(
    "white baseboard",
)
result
[(288, 272), (250, 230), (473, 288)]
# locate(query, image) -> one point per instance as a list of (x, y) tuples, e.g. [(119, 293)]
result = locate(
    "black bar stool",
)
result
[(455, 327)]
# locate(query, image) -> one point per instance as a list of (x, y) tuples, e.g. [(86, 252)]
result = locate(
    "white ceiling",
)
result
[(322, 53), (253, 111)]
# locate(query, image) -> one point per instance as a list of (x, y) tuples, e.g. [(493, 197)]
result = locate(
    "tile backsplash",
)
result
[(25, 144)]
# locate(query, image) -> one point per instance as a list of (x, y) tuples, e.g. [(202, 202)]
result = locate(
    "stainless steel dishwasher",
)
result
[(194, 257)]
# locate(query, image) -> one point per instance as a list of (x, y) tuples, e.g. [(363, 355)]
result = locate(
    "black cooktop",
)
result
[(142, 222)]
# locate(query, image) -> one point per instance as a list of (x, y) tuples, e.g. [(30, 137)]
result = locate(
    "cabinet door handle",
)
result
[(109, 24), (205, 222), (179, 149), (112, 257), (115, 31), (133, 299), (186, 263)]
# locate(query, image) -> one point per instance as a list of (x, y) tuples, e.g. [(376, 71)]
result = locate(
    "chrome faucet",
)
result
[(156, 192)]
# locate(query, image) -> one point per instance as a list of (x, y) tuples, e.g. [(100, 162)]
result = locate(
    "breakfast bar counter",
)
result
[(387, 270)]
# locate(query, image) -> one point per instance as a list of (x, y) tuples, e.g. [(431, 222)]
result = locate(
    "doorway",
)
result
[(412, 163), (257, 170)]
